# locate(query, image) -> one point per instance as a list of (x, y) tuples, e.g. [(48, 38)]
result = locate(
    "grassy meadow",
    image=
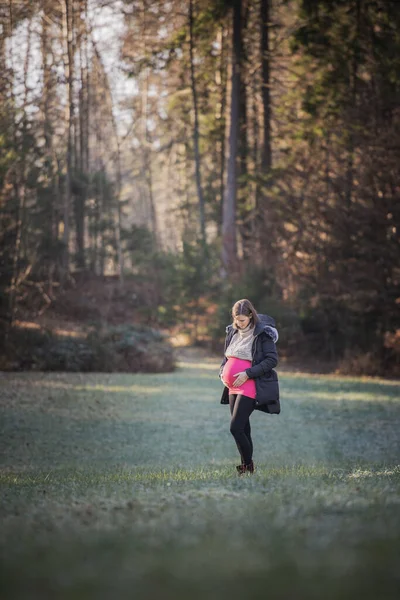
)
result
[(124, 486)]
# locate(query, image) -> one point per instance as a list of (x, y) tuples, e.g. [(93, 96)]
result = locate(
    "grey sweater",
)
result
[(241, 343)]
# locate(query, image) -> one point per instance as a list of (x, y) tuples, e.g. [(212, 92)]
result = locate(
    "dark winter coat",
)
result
[(265, 358)]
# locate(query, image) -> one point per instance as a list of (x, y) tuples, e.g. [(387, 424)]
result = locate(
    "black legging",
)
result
[(241, 408)]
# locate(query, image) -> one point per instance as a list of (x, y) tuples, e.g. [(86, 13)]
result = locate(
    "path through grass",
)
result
[(124, 486)]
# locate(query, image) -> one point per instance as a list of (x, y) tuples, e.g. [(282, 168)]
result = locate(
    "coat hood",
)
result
[(266, 324)]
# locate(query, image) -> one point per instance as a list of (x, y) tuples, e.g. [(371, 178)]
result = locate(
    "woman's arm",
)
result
[(269, 361), (224, 359), (221, 368)]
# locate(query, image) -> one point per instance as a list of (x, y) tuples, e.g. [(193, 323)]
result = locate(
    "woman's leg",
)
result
[(247, 431), (247, 428), (241, 408), (232, 400)]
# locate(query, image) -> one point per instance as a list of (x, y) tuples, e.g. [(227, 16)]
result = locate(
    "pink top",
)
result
[(235, 365)]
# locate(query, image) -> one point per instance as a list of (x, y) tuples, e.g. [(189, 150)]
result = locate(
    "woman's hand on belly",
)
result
[(240, 378)]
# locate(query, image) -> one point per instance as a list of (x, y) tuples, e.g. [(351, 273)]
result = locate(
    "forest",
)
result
[(159, 161), (182, 155)]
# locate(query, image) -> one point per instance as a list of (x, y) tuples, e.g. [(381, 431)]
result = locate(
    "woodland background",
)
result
[(161, 159)]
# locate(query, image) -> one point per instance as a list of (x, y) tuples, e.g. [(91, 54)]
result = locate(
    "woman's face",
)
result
[(242, 321)]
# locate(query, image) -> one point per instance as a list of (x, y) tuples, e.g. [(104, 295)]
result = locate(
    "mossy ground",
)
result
[(125, 486)]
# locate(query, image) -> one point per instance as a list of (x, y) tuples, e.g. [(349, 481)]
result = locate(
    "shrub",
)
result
[(359, 364), (21, 348), (123, 348), (132, 348)]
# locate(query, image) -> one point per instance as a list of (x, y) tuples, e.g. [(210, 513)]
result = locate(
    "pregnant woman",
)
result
[(247, 374)]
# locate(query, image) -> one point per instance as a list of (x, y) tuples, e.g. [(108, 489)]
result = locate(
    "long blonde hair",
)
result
[(244, 307)]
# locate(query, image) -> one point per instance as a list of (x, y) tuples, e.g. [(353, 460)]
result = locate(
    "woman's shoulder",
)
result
[(270, 333), (266, 326)]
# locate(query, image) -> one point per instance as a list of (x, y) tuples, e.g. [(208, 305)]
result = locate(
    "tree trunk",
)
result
[(20, 188), (352, 108), (80, 198), (52, 167), (266, 155), (196, 133), (88, 83), (266, 151), (118, 217), (244, 214), (223, 83), (68, 65), (229, 247), (148, 176)]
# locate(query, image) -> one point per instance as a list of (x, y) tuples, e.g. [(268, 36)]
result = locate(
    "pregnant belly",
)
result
[(236, 365)]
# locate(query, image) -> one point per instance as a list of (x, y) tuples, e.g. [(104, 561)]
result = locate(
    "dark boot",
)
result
[(241, 469), (249, 468)]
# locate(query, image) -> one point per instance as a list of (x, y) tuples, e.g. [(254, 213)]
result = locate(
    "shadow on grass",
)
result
[(213, 559)]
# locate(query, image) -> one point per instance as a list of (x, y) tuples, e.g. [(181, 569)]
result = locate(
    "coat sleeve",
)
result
[(269, 361), (221, 368), (224, 359)]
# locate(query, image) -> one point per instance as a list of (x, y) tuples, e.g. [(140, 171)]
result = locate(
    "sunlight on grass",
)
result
[(362, 473), (337, 377), (101, 388), (136, 474), (199, 365), (88, 476), (149, 475), (338, 396)]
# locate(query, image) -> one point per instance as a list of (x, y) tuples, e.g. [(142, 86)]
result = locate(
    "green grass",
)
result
[(125, 486)]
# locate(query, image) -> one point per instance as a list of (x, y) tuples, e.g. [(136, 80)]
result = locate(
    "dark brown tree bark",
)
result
[(266, 154), (197, 160), (244, 213), (69, 75), (49, 84), (229, 244), (222, 144)]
